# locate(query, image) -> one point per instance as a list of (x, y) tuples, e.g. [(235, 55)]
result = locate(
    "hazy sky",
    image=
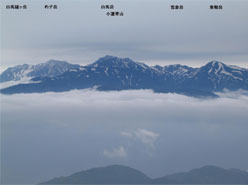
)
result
[(55, 134), (80, 32)]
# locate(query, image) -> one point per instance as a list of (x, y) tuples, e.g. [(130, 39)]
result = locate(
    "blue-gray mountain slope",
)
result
[(114, 174), (117, 174), (113, 73)]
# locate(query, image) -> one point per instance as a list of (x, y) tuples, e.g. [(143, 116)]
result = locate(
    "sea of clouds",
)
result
[(53, 134)]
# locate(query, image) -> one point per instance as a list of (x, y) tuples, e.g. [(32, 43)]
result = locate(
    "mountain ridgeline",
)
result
[(117, 174), (113, 73), (50, 68)]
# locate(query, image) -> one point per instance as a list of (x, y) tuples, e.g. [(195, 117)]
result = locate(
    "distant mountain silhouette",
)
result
[(117, 174), (206, 175), (113, 73)]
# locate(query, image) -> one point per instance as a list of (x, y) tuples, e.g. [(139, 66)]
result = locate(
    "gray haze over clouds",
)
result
[(80, 32), (54, 134)]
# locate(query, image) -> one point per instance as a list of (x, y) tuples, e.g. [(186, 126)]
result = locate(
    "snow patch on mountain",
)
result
[(50, 68)]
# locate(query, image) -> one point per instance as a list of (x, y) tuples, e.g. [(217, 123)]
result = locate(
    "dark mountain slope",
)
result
[(114, 174), (117, 174), (113, 73), (207, 175)]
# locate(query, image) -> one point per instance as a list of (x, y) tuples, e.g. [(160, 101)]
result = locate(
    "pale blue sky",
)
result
[(80, 32)]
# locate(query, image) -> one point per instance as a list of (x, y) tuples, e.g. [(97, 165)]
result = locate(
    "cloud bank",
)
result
[(147, 137), (116, 152), (54, 134)]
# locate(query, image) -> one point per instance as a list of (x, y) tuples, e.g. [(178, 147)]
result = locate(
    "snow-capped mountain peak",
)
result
[(112, 61), (114, 73), (219, 69), (50, 68)]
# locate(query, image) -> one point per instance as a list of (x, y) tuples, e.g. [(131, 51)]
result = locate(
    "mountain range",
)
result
[(114, 73), (118, 174), (50, 68)]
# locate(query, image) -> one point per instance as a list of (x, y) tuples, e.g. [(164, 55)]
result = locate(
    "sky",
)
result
[(149, 32), (56, 134)]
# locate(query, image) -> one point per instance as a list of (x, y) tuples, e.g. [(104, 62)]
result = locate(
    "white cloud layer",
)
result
[(147, 137), (53, 134), (115, 152)]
